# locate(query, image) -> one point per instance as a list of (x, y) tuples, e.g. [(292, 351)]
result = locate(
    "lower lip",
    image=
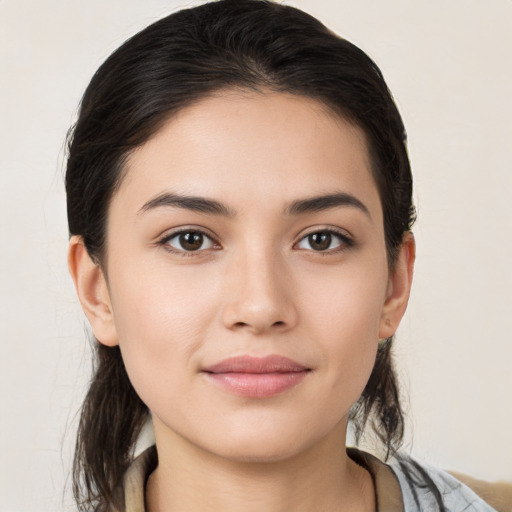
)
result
[(256, 385)]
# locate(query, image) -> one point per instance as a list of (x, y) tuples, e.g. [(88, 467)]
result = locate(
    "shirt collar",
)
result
[(387, 488)]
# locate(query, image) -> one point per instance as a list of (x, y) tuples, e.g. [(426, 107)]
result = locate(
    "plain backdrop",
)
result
[(448, 63)]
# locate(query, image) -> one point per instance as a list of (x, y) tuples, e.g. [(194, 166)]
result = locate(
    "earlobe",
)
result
[(399, 288), (92, 291)]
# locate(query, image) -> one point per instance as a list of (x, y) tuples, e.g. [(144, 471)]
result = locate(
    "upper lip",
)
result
[(250, 364)]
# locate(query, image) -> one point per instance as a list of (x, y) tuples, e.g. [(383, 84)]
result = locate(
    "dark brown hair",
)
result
[(173, 63)]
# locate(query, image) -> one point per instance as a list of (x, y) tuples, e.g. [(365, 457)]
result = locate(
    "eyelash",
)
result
[(164, 241), (346, 242)]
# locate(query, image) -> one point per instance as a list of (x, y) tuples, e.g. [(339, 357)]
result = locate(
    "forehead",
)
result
[(240, 144)]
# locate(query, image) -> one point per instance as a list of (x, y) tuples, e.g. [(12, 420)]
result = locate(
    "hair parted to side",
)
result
[(255, 44)]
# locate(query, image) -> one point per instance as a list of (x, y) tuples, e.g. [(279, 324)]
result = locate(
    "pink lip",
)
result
[(256, 377)]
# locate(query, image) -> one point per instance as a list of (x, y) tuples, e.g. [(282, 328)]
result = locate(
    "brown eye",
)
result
[(190, 241), (321, 241)]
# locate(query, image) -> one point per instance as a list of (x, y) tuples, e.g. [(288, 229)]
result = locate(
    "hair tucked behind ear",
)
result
[(173, 63)]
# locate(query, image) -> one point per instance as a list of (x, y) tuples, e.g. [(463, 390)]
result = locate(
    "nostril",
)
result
[(245, 324)]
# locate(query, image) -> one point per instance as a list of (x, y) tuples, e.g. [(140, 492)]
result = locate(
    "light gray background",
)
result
[(448, 64)]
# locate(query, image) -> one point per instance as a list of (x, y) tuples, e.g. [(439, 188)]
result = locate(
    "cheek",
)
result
[(347, 300), (162, 318), (345, 313), (162, 304)]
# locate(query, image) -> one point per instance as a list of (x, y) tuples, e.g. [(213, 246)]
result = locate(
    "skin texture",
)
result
[(256, 286)]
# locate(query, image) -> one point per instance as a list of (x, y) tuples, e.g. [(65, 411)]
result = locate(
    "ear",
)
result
[(91, 288), (399, 288)]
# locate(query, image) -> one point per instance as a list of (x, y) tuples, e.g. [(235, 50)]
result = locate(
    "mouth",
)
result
[(256, 377)]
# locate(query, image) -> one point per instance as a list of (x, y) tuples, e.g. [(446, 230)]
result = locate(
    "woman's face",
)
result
[(247, 275)]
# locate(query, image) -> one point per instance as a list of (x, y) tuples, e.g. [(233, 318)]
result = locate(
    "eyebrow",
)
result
[(211, 206), (194, 203), (325, 202)]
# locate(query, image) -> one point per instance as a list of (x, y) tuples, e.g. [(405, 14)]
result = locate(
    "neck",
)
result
[(322, 477)]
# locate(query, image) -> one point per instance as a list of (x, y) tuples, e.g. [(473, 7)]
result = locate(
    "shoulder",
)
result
[(497, 494), (405, 484), (424, 486)]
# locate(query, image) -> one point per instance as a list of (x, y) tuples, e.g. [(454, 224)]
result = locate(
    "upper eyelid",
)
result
[(163, 241), (326, 229), (169, 234), (346, 240)]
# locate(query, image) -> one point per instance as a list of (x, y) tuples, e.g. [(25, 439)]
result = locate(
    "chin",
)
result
[(272, 443), (262, 452)]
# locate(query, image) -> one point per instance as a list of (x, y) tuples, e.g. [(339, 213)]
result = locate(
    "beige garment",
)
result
[(387, 488)]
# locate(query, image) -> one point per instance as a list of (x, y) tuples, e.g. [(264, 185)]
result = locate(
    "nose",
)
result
[(259, 295)]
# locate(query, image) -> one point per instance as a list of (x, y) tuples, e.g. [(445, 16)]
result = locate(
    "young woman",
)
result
[(239, 204)]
